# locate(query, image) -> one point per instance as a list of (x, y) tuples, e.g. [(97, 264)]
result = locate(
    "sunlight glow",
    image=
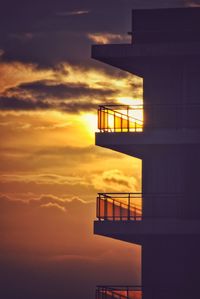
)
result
[(90, 121), (129, 101)]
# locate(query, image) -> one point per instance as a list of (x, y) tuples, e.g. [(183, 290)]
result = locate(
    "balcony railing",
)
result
[(118, 292), (125, 118), (119, 206), (120, 118)]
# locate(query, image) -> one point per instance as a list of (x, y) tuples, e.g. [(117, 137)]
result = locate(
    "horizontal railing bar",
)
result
[(151, 105), (120, 105), (114, 199), (143, 194), (119, 286), (118, 196), (119, 193), (118, 218)]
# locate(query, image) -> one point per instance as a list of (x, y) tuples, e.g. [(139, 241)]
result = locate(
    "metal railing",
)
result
[(118, 292), (119, 206), (133, 118), (129, 206), (120, 118)]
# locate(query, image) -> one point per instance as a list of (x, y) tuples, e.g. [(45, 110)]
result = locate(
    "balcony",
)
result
[(133, 118), (118, 292), (133, 217), (119, 206), (120, 118), (136, 130)]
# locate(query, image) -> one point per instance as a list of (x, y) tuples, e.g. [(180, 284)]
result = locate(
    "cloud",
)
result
[(86, 153), (66, 88), (192, 3), (43, 179), (106, 38), (51, 205), (46, 200), (66, 202), (13, 103), (1, 52), (72, 13), (42, 90), (83, 154), (16, 73), (116, 181), (66, 97), (57, 30)]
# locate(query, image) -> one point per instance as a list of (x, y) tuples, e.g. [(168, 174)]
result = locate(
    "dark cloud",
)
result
[(57, 33), (47, 48), (75, 107), (71, 97), (8, 103), (47, 89)]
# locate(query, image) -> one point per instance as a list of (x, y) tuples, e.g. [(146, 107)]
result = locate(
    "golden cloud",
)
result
[(72, 13), (66, 88), (48, 179), (116, 181), (106, 38), (52, 205), (15, 73)]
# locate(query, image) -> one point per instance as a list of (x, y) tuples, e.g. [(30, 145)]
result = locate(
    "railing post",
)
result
[(106, 124), (98, 208), (128, 118), (100, 116), (106, 208), (114, 121), (113, 209), (129, 205), (120, 206), (103, 115)]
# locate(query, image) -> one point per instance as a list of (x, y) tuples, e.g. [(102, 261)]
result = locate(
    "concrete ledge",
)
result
[(154, 136), (139, 58), (137, 231), (138, 143), (101, 52)]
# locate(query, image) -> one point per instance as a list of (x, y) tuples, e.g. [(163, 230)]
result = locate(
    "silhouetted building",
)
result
[(165, 218)]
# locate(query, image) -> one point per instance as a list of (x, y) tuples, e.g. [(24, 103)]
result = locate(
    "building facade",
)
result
[(165, 217)]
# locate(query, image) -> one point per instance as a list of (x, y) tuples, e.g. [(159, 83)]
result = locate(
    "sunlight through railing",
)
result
[(133, 118), (118, 292), (119, 206), (120, 118)]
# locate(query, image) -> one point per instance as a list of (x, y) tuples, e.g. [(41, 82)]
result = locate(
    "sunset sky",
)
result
[(50, 169)]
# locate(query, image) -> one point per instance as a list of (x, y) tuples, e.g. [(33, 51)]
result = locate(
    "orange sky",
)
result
[(51, 172)]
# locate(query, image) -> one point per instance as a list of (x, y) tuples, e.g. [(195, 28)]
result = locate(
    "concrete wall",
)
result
[(170, 267)]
